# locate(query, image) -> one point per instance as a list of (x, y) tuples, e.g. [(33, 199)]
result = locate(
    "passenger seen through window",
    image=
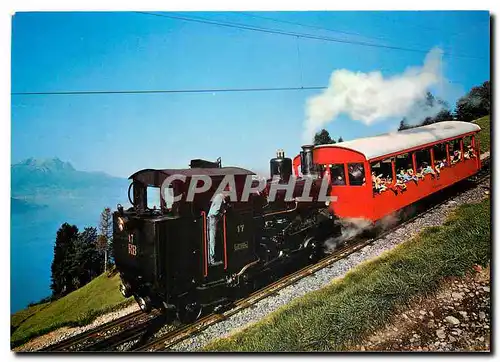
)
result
[(455, 153), (469, 151), (337, 174), (356, 174)]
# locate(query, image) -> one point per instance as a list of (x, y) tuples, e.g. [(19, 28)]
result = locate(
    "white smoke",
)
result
[(369, 97), (351, 228)]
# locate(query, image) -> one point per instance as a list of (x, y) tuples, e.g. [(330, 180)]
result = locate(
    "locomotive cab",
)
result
[(162, 251)]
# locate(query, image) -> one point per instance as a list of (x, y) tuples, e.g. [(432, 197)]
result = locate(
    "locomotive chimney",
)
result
[(307, 161)]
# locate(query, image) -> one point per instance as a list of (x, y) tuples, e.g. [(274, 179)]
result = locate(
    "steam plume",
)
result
[(369, 97)]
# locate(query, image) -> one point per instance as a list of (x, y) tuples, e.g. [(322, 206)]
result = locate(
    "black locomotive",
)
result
[(162, 253)]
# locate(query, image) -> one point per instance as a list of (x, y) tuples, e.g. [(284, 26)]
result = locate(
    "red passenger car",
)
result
[(375, 176)]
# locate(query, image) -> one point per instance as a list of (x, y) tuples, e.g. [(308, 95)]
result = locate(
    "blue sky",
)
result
[(120, 134)]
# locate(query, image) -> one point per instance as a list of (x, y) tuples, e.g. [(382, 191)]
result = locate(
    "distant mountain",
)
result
[(41, 180)]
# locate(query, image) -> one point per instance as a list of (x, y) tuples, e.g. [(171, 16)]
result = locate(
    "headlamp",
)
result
[(121, 223)]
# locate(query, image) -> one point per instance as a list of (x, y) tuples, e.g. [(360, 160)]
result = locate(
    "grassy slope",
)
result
[(485, 134), (339, 315), (77, 308)]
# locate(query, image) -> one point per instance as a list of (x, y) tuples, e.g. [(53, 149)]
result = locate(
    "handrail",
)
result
[(225, 248), (205, 258)]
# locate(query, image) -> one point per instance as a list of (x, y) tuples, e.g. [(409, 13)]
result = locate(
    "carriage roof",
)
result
[(155, 177), (390, 143)]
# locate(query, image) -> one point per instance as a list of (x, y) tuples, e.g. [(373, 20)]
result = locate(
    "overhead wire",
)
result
[(307, 25), (294, 34), (160, 91), (220, 90)]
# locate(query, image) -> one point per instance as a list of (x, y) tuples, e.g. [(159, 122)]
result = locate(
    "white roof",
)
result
[(377, 146)]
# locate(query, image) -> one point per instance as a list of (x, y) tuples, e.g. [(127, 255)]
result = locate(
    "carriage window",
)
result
[(337, 174), (439, 152), (440, 160), (356, 174), (404, 162), (469, 151), (383, 169), (423, 159), (455, 152), (381, 175), (467, 141)]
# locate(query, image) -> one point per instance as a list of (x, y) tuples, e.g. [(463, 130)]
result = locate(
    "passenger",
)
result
[(337, 175), (419, 173), (469, 153), (457, 155), (378, 185), (218, 207), (428, 169), (338, 180), (412, 175), (400, 185), (405, 176), (356, 175), (442, 163)]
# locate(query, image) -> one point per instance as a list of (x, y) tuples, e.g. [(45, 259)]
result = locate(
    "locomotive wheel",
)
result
[(125, 290), (189, 312), (144, 303)]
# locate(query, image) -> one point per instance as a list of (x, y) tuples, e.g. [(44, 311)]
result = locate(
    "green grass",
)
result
[(19, 317), (485, 134), (77, 308), (341, 314)]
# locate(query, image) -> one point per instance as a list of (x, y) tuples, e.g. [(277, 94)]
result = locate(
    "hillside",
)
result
[(485, 134), (77, 308)]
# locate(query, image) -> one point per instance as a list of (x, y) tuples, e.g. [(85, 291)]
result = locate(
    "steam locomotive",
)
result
[(162, 253)]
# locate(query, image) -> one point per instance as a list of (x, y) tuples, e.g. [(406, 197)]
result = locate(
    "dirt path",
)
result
[(456, 318)]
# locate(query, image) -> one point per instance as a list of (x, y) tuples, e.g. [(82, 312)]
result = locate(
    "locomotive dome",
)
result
[(388, 143)]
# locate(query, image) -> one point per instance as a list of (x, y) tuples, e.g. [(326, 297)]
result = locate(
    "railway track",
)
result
[(93, 336), (124, 329), (175, 336)]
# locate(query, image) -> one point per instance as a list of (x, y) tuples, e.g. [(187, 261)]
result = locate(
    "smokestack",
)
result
[(307, 160)]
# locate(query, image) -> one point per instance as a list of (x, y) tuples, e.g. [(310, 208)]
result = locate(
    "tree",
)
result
[(404, 125), (475, 104), (340, 139), (61, 278), (444, 115), (105, 234), (87, 260), (429, 105), (323, 138)]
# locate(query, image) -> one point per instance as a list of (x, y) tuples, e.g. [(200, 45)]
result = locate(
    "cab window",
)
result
[(153, 194)]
